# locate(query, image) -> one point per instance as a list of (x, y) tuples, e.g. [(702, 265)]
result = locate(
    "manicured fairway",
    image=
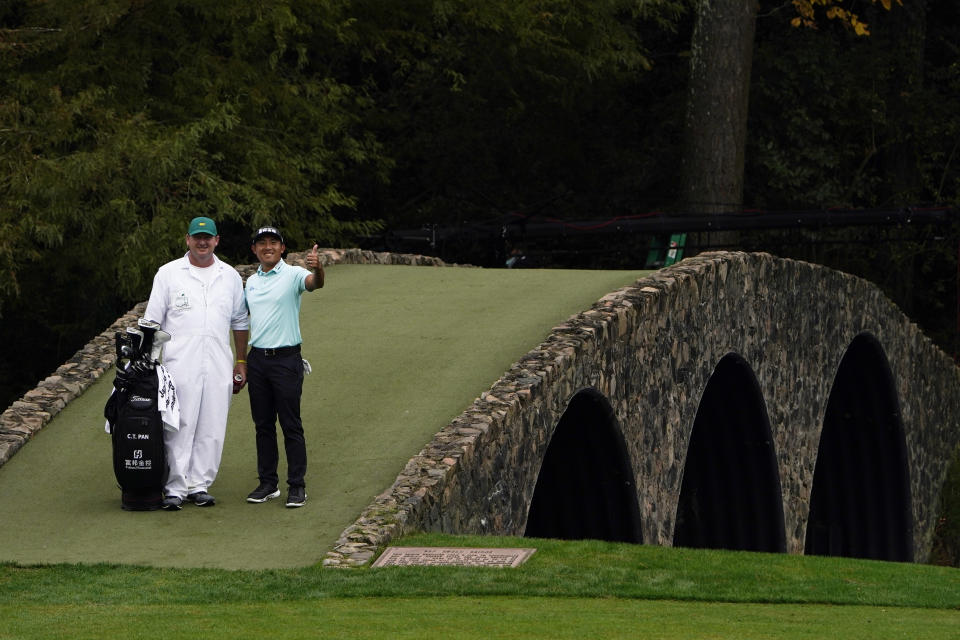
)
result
[(567, 589), (480, 618), (396, 352)]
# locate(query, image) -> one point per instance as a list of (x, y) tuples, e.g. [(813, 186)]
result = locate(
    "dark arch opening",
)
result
[(730, 495), (860, 500), (585, 489)]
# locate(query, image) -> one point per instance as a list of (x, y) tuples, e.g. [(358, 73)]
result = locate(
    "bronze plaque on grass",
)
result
[(452, 556)]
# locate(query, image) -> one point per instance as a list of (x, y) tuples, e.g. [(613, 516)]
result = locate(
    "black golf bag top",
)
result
[(142, 392)]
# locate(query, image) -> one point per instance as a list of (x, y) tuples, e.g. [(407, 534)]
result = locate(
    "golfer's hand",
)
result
[(314, 280), (313, 259)]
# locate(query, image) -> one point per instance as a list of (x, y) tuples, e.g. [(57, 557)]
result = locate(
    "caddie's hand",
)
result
[(239, 376)]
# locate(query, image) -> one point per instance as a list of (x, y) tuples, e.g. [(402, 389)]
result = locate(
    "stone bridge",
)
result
[(734, 401)]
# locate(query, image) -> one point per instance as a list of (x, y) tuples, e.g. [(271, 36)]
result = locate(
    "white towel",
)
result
[(167, 400)]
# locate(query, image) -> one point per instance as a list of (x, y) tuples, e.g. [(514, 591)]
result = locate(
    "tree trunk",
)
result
[(721, 55)]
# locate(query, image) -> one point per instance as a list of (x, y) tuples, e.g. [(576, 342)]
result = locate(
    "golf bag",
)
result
[(133, 412)]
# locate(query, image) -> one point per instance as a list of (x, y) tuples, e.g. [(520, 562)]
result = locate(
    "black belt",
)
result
[(279, 351)]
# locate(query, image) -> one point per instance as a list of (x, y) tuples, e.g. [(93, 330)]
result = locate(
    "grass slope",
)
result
[(396, 351), (582, 589)]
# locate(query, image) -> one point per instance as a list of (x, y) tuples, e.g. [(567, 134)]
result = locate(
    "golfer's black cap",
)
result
[(268, 231)]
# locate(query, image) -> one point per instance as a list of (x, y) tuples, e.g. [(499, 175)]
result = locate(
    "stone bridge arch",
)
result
[(650, 350), (730, 495), (585, 487), (860, 504)]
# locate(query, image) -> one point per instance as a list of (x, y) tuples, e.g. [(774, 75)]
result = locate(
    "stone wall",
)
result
[(25, 417), (650, 348)]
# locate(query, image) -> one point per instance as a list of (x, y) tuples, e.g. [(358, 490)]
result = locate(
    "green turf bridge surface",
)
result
[(397, 352)]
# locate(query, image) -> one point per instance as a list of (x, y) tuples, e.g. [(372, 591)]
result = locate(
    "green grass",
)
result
[(483, 619), (566, 590), (583, 569)]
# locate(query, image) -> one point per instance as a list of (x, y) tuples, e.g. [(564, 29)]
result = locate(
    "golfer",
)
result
[(198, 300), (274, 365)]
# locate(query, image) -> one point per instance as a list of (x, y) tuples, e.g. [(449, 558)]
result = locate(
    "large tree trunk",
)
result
[(721, 55)]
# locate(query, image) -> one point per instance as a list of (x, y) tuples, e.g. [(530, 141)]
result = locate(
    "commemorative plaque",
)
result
[(452, 556)]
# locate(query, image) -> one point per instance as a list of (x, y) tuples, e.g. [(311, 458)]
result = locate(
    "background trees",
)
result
[(123, 119), (488, 108), (120, 120)]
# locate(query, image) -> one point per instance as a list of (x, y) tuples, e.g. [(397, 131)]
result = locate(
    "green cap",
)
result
[(202, 225)]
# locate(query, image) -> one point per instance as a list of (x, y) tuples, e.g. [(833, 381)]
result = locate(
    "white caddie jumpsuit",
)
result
[(199, 318)]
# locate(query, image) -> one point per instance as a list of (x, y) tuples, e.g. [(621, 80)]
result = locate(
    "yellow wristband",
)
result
[(241, 362)]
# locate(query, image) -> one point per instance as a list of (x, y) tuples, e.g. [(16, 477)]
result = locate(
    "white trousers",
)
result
[(194, 451)]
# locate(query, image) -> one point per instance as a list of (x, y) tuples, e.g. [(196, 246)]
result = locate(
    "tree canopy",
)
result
[(122, 119)]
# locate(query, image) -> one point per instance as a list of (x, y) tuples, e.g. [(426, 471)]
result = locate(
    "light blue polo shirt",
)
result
[(273, 299)]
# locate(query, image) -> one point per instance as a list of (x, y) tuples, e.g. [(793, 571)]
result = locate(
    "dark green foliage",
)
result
[(839, 120), (120, 121), (527, 106), (123, 120)]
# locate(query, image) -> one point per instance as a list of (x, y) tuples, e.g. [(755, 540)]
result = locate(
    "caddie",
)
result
[(198, 299)]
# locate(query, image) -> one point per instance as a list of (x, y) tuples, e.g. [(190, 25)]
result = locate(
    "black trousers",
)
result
[(275, 383)]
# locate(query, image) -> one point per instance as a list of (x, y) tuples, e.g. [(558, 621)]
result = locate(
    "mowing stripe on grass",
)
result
[(481, 618)]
